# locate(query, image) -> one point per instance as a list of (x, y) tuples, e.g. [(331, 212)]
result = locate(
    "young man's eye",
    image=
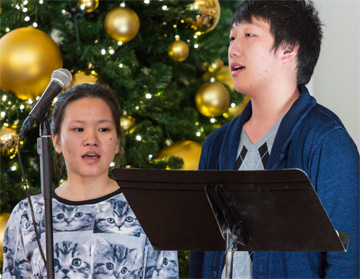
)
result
[(249, 35)]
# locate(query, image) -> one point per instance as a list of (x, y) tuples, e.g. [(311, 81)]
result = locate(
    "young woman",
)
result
[(96, 234)]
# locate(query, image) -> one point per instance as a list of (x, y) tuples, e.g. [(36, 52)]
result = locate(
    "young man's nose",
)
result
[(234, 49)]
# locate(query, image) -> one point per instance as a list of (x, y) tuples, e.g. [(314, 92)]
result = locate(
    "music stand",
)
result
[(267, 210)]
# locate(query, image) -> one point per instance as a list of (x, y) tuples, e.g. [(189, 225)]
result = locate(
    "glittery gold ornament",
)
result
[(127, 122), (215, 66), (122, 24), (4, 217), (28, 57), (188, 150), (88, 5), (212, 99), (178, 50), (212, 68), (222, 75), (8, 140), (81, 77), (239, 108), (208, 15)]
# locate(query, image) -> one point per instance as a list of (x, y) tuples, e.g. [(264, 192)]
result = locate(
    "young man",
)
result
[(274, 46)]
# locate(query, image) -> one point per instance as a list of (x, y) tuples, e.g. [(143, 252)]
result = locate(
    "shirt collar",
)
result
[(287, 128)]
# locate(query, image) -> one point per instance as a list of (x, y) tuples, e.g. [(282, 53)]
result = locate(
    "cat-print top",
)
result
[(98, 239)]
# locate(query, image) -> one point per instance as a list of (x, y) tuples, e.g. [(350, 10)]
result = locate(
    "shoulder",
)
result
[(23, 206), (20, 221), (321, 123), (321, 134), (321, 115)]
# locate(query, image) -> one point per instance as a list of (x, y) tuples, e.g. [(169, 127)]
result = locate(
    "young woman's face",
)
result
[(88, 138)]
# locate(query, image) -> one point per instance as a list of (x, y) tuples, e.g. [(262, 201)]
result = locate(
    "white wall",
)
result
[(336, 80)]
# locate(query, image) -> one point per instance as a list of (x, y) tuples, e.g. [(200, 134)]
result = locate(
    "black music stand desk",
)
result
[(270, 210)]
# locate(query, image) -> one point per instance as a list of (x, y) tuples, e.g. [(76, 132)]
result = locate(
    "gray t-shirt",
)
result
[(251, 156)]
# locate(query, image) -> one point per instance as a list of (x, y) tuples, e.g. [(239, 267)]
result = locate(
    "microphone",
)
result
[(60, 79)]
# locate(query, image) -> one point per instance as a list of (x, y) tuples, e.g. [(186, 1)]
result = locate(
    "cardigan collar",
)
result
[(287, 128)]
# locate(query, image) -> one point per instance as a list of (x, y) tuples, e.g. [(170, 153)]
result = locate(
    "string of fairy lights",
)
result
[(107, 52), (23, 105)]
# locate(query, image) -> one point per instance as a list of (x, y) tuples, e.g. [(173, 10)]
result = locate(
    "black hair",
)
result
[(291, 22), (76, 93), (85, 91)]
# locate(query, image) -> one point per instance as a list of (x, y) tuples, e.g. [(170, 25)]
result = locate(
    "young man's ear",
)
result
[(56, 143), (290, 52)]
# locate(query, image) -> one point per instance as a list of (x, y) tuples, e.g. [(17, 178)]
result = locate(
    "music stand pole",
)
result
[(230, 249), (44, 143), (232, 229)]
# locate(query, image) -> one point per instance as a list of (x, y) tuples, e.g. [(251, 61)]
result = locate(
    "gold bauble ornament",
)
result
[(28, 57), (122, 24), (88, 5), (212, 99), (222, 75), (81, 77), (127, 123), (8, 140), (4, 217), (215, 66), (208, 15), (187, 150), (239, 108), (178, 50)]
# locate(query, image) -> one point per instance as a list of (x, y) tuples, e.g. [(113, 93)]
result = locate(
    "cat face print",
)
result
[(28, 229), (38, 265), (71, 218), (22, 268), (128, 267), (165, 266), (8, 260), (117, 217), (71, 260), (113, 261)]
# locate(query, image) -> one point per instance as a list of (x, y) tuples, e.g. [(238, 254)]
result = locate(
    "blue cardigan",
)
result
[(311, 138)]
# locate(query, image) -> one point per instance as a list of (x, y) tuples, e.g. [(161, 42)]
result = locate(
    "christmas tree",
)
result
[(164, 59)]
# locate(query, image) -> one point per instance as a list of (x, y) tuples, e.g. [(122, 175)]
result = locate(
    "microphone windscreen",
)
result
[(62, 76)]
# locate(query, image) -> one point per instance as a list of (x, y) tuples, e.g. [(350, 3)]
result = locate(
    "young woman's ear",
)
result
[(117, 150), (56, 143)]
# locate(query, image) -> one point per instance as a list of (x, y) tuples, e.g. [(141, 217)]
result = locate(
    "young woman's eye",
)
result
[(78, 129), (249, 35), (104, 129)]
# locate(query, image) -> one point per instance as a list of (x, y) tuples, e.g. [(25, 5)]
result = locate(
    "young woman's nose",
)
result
[(91, 138)]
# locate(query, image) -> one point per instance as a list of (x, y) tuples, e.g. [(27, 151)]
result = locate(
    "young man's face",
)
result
[(254, 65)]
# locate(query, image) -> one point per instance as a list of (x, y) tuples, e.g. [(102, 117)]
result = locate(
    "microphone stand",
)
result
[(44, 143)]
